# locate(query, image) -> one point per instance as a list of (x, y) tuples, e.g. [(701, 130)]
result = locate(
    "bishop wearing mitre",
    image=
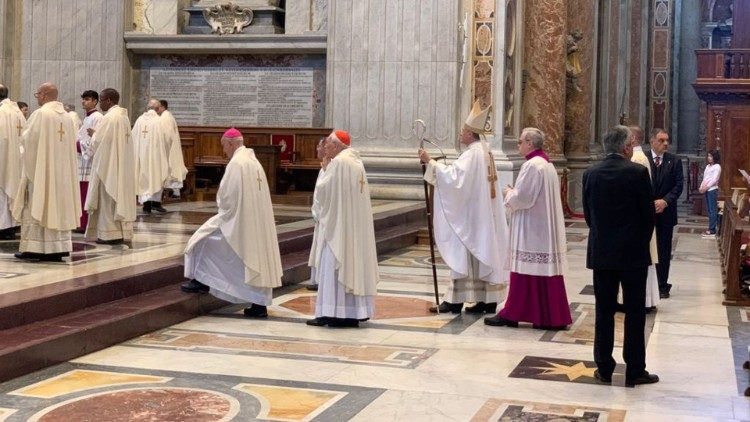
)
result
[(537, 243), (151, 157), (235, 254), (11, 126), (471, 231), (110, 200), (47, 202), (343, 257)]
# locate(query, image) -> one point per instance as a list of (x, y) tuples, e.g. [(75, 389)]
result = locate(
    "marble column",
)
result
[(544, 60), (579, 103)]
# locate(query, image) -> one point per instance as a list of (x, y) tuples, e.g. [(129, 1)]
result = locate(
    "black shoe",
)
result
[(664, 295), (53, 257), (446, 307), (156, 206), (147, 207), (601, 378), (481, 307), (343, 323), (110, 242), (79, 231), (312, 287), (28, 256), (646, 378), (8, 234), (256, 311), (650, 309), (318, 322), (498, 321), (194, 286)]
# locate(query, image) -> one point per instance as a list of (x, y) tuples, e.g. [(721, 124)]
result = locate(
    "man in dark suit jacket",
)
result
[(666, 173), (619, 210)]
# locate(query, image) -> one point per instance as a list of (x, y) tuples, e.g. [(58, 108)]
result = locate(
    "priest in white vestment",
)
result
[(71, 110), (11, 127), (471, 231), (89, 101), (152, 157), (537, 243), (313, 286), (47, 201), (343, 256), (235, 255), (177, 169), (652, 282), (110, 201)]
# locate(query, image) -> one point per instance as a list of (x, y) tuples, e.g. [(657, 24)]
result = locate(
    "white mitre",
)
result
[(477, 118)]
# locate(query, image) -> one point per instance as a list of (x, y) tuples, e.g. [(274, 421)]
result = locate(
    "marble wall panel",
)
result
[(319, 15), (582, 16), (544, 46), (689, 130), (76, 44), (390, 62), (636, 55), (297, 16)]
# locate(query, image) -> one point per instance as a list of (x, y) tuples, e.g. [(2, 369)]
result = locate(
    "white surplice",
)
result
[(236, 252), (177, 169), (11, 127), (84, 143), (471, 231), (343, 255), (152, 156), (652, 283), (110, 200), (537, 227), (48, 198), (310, 263)]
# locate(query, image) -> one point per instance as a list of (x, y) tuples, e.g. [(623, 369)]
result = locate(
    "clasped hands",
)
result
[(660, 205)]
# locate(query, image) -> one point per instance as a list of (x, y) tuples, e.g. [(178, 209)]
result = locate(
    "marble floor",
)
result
[(406, 364)]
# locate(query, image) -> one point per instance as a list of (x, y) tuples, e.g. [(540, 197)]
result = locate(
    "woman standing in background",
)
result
[(710, 187)]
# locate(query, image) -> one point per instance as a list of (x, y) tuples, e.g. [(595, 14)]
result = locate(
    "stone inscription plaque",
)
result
[(248, 96)]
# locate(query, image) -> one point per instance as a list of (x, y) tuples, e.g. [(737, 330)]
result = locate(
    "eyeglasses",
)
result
[(38, 94)]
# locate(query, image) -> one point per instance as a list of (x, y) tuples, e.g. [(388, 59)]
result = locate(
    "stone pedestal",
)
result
[(544, 47)]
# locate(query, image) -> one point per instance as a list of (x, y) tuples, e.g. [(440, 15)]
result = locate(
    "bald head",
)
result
[(636, 135), (3, 92), (45, 93)]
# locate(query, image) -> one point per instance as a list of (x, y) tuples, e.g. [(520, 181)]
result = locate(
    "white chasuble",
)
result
[(471, 231), (245, 222), (11, 130), (113, 171), (151, 155), (48, 198), (537, 226), (343, 211), (177, 169)]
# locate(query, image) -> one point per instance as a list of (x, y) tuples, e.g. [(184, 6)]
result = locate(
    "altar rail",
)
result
[(733, 229), (201, 149)]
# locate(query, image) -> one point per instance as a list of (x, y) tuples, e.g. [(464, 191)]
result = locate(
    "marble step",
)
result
[(37, 345)]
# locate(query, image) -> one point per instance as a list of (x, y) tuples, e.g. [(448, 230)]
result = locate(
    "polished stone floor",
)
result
[(404, 365)]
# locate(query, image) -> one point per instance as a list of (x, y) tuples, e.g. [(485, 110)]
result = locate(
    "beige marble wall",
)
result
[(76, 44), (582, 16), (3, 30), (390, 62), (297, 18), (544, 48)]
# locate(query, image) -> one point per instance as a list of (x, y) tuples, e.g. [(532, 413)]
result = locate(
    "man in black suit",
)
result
[(666, 171), (619, 210)]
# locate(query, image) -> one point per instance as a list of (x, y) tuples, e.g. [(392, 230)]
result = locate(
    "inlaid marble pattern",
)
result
[(509, 410), (87, 393), (555, 369), (293, 348)]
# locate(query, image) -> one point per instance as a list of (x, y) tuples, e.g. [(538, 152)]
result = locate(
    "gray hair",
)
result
[(616, 139), (69, 107), (237, 140), (536, 136)]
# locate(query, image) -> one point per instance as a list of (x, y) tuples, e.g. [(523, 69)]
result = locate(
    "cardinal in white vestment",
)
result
[(313, 286), (537, 243), (652, 281), (11, 127), (235, 254), (177, 169), (47, 200), (89, 101), (471, 231), (152, 156), (110, 201), (343, 255)]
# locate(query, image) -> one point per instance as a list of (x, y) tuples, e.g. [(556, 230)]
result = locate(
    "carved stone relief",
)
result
[(509, 99), (227, 18), (483, 55)]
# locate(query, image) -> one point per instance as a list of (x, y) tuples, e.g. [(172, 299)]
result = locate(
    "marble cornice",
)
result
[(140, 43)]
